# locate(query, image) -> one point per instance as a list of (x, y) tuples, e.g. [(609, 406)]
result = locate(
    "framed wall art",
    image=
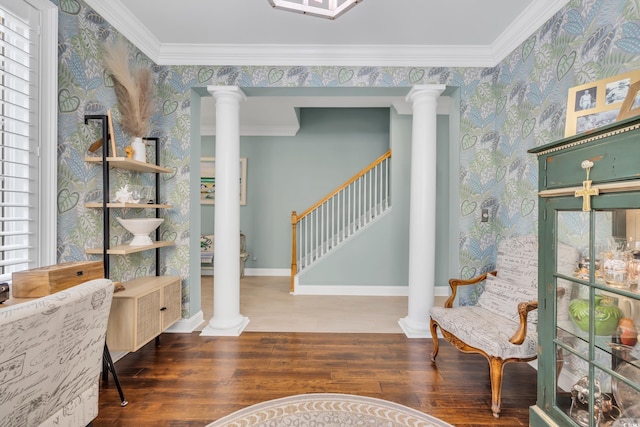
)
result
[(208, 181), (631, 105), (596, 104)]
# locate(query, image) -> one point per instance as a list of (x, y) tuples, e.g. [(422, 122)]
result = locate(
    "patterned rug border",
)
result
[(265, 413)]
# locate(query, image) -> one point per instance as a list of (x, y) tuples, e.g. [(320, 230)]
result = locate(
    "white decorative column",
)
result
[(422, 212), (227, 320)]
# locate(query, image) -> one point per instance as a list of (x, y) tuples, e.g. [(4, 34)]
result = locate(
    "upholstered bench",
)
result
[(502, 326)]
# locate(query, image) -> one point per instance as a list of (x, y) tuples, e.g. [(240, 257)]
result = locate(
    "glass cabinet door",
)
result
[(594, 292)]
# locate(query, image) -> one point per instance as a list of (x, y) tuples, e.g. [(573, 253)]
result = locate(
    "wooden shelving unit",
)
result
[(149, 304)]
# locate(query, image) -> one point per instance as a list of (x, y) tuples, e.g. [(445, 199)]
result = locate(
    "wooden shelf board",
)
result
[(92, 159), (129, 205), (128, 249), (129, 164)]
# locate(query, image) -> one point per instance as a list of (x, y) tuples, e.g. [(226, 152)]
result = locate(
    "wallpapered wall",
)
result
[(505, 110)]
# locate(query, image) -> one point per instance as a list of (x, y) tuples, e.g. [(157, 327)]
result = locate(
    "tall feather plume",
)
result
[(146, 90), (134, 88)]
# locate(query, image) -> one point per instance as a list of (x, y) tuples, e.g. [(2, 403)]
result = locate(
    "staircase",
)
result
[(341, 214)]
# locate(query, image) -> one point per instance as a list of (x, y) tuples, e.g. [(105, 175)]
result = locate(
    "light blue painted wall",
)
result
[(444, 238), (379, 256), (286, 173)]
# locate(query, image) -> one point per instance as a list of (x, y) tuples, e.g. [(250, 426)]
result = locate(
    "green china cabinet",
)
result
[(589, 269)]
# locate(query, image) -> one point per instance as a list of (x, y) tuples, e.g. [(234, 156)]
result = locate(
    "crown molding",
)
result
[(128, 25), (526, 24), (325, 55), (534, 16)]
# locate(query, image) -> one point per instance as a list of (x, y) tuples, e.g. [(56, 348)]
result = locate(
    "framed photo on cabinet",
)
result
[(596, 104), (631, 105), (208, 181)]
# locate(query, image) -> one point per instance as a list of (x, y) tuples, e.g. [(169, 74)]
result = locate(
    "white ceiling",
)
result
[(427, 33)]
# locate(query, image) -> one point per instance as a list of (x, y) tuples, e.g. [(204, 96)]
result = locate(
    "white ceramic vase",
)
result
[(139, 150)]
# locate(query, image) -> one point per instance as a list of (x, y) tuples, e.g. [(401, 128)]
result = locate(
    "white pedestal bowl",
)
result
[(140, 228)]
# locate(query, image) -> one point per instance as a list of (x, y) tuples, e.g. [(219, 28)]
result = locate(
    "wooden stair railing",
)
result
[(340, 213)]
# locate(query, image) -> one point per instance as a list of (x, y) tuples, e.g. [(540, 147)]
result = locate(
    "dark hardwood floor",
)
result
[(189, 380)]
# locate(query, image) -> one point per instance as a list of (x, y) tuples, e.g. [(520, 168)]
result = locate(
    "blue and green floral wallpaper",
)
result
[(505, 110)]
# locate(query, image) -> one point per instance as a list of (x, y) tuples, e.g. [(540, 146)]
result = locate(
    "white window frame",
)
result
[(48, 114), (45, 250)]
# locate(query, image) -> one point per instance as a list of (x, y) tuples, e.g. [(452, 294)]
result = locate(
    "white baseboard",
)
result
[(383, 291), (267, 272), (440, 291), (273, 272), (351, 290), (186, 326)]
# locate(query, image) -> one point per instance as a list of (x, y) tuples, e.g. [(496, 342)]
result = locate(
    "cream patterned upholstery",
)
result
[(480, 328), (51, 354), (501, 297)]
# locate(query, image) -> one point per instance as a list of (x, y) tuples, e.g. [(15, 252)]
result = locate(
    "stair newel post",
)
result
[(294, 265)]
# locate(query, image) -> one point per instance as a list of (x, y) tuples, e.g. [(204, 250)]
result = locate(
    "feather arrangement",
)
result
[(134, 87)]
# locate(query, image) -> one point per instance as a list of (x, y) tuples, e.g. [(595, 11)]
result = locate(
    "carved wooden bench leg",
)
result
[(436, 343), (495, 371)]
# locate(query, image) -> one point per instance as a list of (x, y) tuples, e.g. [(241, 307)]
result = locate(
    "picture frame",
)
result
[(596, 104), (208, 181), (631, 105)]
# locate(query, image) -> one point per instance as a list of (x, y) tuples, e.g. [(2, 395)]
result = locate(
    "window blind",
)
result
[(18, 150)]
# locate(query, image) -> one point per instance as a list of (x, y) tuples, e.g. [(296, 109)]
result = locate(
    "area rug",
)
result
[(328, 410)]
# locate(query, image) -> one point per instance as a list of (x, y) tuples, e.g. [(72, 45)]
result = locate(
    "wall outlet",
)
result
[(485, 215)]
